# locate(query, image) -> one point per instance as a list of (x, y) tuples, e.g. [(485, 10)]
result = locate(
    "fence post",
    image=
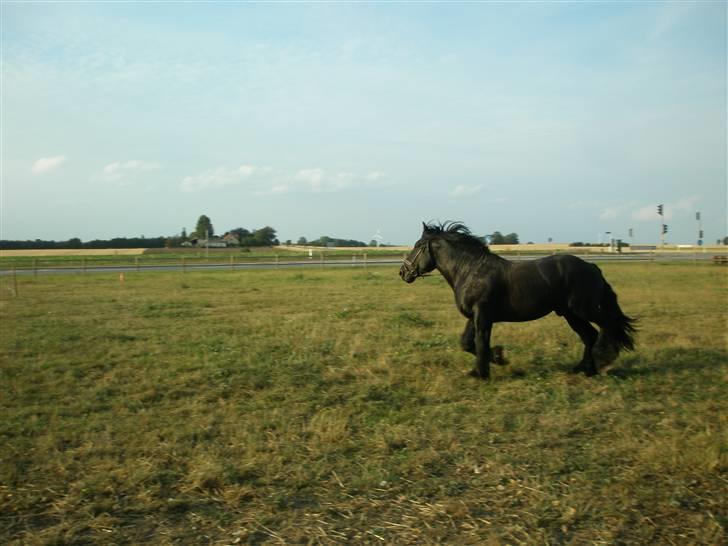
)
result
[(35, 268), (136, 262), (277, 261), (15, 281), (184, 264), (365, 262), (84, 265), (232, 265), (322, 259)]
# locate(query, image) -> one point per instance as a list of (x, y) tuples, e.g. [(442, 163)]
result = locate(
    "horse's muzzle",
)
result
[(408, 275)]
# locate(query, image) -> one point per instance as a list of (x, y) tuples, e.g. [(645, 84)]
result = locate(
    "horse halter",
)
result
[(409, 265)]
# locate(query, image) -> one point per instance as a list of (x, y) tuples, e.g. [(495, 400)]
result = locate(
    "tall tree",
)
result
[(204, 227), (265, 236)]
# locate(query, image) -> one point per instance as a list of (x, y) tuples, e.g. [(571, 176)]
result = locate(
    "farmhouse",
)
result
[(212, 242)]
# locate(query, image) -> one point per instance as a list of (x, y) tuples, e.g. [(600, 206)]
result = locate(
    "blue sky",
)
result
[(561, 120)]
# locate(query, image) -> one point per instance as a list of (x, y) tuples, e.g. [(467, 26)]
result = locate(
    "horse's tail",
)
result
[(617, 329)]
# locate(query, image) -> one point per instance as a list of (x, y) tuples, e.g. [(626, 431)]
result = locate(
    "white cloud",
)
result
[(222, 177), (124, 171), (610, 213), (246, 170), (313, 178), (686, 204), (646, 213), (269, 181), (317, 180), (274, 190), (464, 191), (212, 179), (46, 164)]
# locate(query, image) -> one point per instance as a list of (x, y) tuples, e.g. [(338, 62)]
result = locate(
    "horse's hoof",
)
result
[(476, 373), (497, 356)]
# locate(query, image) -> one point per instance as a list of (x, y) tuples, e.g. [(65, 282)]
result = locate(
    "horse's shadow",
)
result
[(660, 363), (669, 361)]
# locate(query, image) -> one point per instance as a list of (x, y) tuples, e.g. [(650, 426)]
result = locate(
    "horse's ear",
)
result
[(424, 227)]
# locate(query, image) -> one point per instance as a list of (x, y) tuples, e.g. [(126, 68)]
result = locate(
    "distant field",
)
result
[(333, 407), (166, 256), (72, 252)]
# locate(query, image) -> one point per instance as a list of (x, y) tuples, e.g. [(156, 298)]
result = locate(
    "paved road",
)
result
[(311, 264)]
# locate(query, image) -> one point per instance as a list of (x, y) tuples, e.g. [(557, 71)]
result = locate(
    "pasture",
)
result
[(327, 407)]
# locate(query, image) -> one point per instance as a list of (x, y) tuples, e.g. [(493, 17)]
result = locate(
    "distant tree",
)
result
[(725, 240), (265, 236), (289, 242), (172, 242), (373, 242), (204, 227), (325, 240), (241, 233), (184, 234), (301, 241), (497, 238)]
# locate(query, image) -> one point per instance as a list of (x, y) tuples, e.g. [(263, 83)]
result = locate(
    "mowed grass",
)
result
[(323, 407)]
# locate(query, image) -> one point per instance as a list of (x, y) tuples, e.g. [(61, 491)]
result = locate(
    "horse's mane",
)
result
[(457, 233)]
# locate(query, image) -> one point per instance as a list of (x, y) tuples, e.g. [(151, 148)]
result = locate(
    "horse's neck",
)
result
[(453, 264)]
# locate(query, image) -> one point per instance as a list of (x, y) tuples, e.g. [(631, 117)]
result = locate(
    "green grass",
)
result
[(329, 407)]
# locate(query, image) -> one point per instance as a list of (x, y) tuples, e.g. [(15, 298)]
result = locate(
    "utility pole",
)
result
[(660, 211), (700, 229)]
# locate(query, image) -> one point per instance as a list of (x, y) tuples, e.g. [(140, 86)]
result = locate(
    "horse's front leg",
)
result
[(483, 327), (467, 342), (467, 339)]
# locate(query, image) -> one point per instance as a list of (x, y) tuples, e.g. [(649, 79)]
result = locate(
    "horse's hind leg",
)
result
[(588, 335)]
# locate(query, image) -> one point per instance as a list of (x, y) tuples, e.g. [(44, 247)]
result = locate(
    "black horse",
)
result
[(491, 289)]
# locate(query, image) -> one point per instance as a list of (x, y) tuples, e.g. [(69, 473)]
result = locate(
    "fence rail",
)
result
[(157, 262)]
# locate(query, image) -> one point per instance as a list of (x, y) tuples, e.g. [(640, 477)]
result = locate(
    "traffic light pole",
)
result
[(700, 229), (660, 211)]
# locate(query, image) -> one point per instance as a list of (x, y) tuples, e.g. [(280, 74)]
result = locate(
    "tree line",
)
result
[(497, 238), (74, 243), (202, 235), (204, 232)]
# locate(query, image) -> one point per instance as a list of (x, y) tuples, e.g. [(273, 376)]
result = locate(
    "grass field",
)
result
[(323, 407)]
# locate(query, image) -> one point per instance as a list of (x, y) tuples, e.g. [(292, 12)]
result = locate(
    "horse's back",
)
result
[(565, 281), (583, 285)]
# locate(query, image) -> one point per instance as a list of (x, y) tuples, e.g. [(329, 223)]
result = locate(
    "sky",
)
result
[(553, 120)]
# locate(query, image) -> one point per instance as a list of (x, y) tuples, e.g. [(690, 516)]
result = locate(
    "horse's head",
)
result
[(420, 260)]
